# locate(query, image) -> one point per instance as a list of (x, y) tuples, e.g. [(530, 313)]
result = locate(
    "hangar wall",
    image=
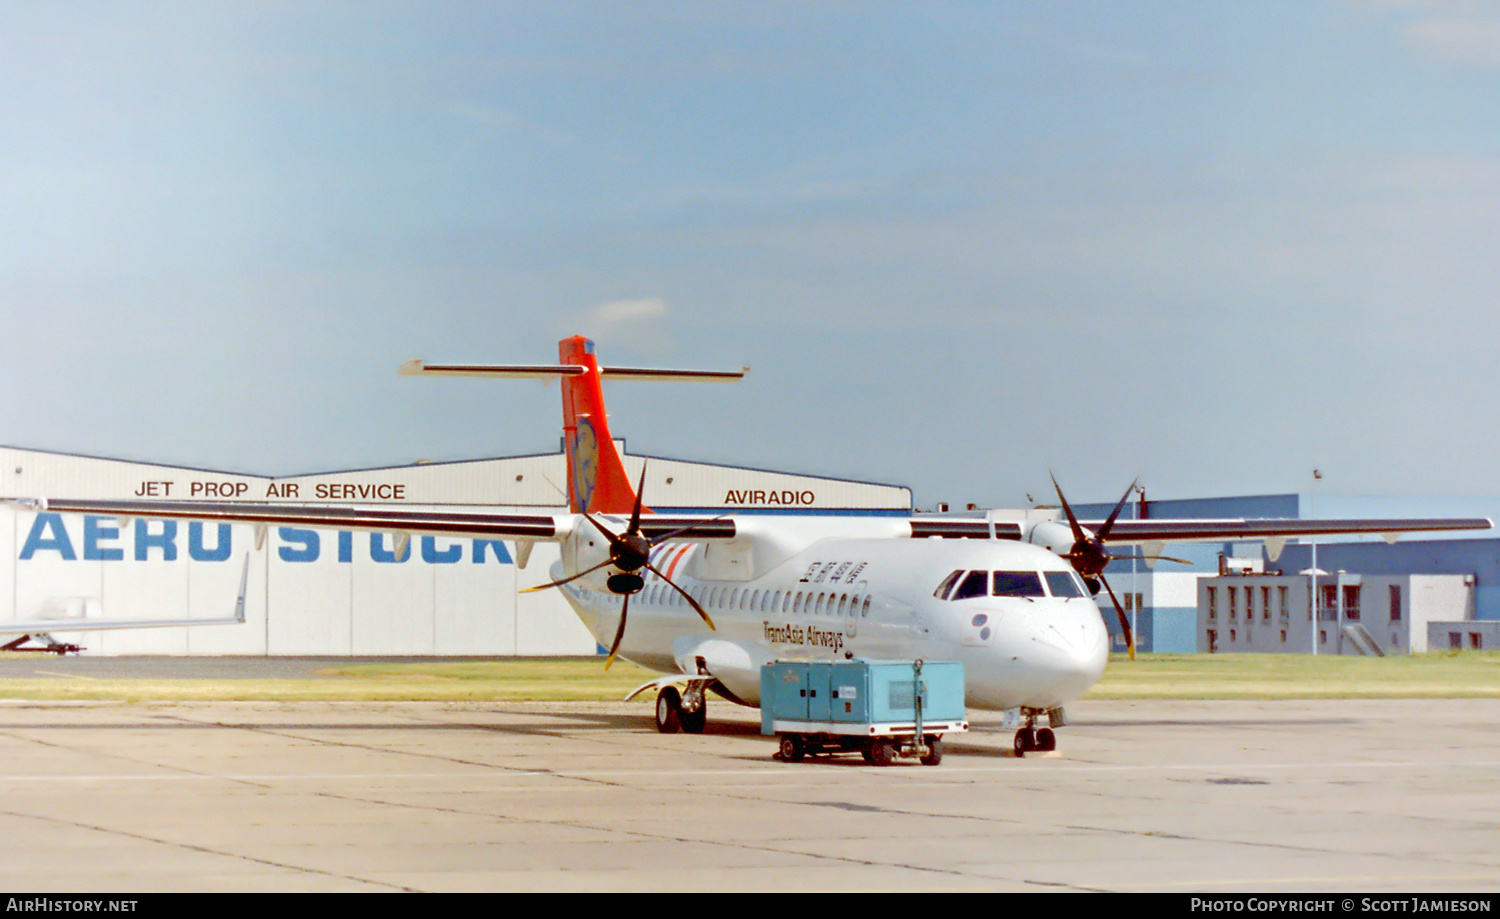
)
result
[(320, 592)]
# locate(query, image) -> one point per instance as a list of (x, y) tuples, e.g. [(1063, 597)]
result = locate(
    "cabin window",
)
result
[(1018, 584), (975, 585), (864, 612)]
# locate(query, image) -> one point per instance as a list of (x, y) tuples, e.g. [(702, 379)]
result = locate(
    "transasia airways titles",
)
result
[(101, 540)]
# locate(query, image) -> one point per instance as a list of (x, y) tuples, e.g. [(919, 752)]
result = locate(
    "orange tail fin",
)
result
[(596, 476)]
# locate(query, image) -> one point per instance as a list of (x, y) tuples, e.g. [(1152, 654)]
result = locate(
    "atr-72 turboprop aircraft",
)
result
[(707, 600)]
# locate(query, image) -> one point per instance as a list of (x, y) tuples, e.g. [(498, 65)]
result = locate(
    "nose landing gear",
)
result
[(1031, 739)]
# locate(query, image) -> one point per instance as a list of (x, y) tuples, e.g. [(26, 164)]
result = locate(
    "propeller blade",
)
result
[(601, 528), (687, 596), (1124, 620), (1110, 523), (697, 523), (1067, 509), (619, 633), (571, 577), (1166, 558), (635, 513)]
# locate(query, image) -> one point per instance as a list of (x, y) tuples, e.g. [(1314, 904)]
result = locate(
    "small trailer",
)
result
[(880, 709)]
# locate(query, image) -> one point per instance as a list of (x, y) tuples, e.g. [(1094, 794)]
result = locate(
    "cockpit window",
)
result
[(942, 592), (975, 585), (1018, 584), (1064, 584)]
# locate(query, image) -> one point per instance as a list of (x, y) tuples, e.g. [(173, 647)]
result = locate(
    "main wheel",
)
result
[(1046, 741), (668, 710), (934, 751), (791, 748), (1025, 741)]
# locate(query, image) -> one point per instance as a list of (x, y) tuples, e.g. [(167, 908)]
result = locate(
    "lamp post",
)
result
[(1312, 574)]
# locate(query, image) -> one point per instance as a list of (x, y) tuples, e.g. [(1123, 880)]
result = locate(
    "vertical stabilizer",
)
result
[(596, 476)]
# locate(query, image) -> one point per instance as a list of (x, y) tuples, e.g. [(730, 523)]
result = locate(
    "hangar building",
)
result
[(316, 592)]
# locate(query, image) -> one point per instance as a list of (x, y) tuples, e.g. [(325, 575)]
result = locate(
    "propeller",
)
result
[(1090, 557), (629, 552)]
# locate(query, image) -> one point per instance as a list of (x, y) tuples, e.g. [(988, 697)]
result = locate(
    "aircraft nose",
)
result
[(1072, 651)]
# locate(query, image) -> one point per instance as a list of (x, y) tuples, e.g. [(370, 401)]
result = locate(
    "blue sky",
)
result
[(960, 245)]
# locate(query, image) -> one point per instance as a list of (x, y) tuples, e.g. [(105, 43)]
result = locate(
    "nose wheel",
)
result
[(1031, 739)]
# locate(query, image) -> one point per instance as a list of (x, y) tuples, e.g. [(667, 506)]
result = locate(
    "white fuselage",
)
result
[(813, 589)]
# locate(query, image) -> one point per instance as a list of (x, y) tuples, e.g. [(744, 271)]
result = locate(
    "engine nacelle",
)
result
[(1055, 537)]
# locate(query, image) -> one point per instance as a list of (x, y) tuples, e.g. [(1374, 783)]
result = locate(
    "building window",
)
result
[(1265, 604), (1455, 641), (1286, 602), (1395, 602), (1351, 602), (1212, 603), (1234, 607), (1283, 636)]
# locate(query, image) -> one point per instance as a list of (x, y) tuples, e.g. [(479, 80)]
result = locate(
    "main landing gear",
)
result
[(682, 711), (1031, 739)]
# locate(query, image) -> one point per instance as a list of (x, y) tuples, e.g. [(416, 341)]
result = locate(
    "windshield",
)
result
[(1065, 584), (966, 585), (1018, 584)]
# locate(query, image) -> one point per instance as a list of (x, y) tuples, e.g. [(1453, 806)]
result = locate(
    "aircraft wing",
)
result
[(383, 519), (1135, 531), (341, 517)]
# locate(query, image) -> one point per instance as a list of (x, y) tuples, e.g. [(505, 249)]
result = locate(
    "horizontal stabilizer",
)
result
[(549, 371)]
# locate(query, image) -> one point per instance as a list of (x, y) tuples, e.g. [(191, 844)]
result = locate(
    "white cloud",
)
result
[(1469, 41), (637, 325), (628, 311)]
